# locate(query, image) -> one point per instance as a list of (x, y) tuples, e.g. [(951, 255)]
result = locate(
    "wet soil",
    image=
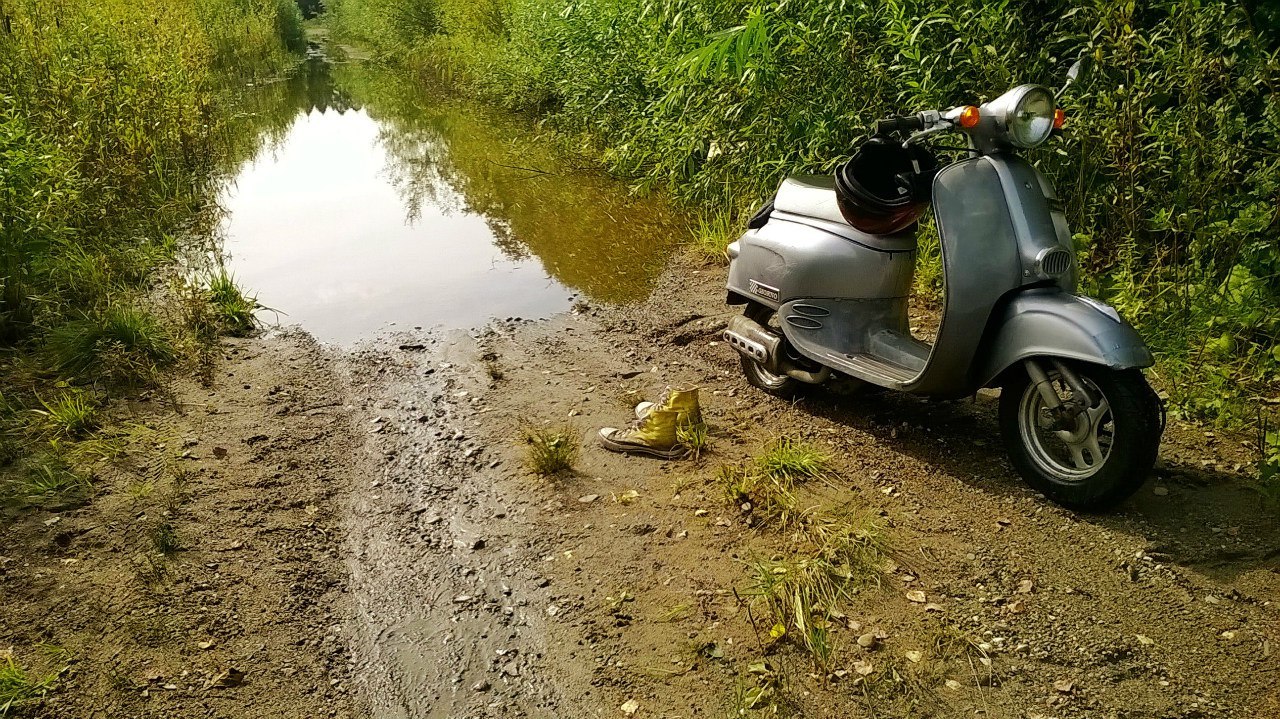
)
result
[(483, 590)]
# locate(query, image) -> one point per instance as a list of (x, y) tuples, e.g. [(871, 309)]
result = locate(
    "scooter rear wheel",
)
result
[(778, 385), (1092, 459)]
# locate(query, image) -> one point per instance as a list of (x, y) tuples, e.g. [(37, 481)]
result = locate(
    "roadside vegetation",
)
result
[(1169, 169), (116, 122), (819, 566)]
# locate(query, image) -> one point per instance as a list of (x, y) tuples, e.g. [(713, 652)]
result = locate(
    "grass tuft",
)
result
[(803, 593), (712, 236), (551, 451), (19, 688), (164, 539), (789, 461), (124, 344), (45, 480), (234, 310), (695, 436), (766, 486), (73, 414)]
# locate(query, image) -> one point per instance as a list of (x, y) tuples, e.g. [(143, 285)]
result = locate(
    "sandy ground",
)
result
[(371, 544)]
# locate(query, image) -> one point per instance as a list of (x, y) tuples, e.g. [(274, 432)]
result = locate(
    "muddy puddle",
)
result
[(386, 204)]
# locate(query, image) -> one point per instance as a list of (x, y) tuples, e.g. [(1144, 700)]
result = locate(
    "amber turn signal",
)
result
[(969, 117), (1059, 118)]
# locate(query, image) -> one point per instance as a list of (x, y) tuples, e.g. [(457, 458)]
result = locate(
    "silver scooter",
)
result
[(826, 270)]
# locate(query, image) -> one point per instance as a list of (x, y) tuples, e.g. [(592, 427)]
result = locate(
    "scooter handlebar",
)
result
[(906, 123)]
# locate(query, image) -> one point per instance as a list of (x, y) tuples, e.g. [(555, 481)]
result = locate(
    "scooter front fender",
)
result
[(1053, 323)]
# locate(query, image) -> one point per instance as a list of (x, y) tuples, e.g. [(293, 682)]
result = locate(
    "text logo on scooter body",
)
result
[(765, 291)]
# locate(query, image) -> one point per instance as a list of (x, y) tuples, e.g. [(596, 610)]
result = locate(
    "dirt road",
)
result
[(360, 537), (483, 590)]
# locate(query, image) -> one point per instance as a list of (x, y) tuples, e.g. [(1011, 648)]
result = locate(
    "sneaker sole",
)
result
[(673, 453)]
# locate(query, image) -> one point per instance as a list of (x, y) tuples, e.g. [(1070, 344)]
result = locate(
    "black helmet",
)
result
[(868, 191)]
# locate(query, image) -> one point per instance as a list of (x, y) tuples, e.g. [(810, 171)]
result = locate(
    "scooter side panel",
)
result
[(981, 263), (787, 260), (1039, 222), (1053, 323), (830, 330)]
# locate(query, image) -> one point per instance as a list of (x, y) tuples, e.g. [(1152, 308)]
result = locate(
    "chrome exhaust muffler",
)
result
[(754, 341), (757, 342)]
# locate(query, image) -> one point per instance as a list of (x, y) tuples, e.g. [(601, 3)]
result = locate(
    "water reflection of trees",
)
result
[(442, 151)]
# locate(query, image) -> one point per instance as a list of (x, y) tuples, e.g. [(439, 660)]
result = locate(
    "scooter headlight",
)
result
[(1030, 114)]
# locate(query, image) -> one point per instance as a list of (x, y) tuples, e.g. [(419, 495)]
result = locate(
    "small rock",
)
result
[(953, 684), (630, 706), (588, 498), (916, 596), (462, 598), (1064, 686), (868, 640), (915, 656), (206, 644), (863, 668), (1144, 639), (1160, 491), (1026, 586), (481, 686), (227, 678)]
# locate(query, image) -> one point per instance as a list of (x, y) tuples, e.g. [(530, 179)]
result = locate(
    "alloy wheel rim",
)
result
[(1073, 453)]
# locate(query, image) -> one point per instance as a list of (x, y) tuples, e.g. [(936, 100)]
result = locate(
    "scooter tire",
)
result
[(757, 376), (1137, 418)]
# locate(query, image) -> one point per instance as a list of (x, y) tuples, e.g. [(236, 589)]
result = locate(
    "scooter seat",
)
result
[(810, 196)]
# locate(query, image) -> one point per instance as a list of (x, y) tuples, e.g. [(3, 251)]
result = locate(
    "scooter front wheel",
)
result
[(1091, 452), (778, 385)]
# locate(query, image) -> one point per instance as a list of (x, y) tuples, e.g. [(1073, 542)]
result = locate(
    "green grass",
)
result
[(711, 236), (695, 436), (844, 552), (19, 688), (790, 461), (234, 309), (44, 480), (551, 451), (766, 486), (73, 414), (164, 539), (124, 345)]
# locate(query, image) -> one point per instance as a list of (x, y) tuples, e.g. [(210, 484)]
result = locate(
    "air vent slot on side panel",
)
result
[(1054, 263), (804, 323)]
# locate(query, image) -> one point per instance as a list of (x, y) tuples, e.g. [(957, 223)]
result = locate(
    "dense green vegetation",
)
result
[(115, 125), (1171, 167)]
